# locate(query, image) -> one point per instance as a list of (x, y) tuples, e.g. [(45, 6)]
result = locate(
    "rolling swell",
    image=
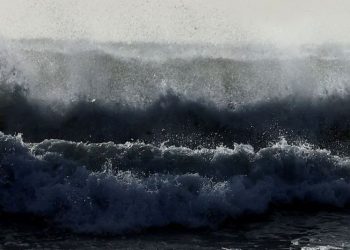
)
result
[(172, 185)]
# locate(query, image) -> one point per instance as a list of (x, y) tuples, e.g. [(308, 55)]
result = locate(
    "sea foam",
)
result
[(118, 188)]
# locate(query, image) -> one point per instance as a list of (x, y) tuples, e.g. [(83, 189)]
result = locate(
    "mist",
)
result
[(282, 23)]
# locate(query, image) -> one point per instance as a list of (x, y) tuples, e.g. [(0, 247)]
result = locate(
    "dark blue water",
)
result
[(279, 230), (174, 151)]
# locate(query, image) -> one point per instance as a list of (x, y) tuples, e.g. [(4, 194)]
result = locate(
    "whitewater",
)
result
[(111, 139)]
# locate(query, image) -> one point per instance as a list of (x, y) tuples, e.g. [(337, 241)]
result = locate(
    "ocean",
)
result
[(170, 146)]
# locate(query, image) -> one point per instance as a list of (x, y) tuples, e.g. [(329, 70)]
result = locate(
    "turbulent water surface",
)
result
[(228, 145)]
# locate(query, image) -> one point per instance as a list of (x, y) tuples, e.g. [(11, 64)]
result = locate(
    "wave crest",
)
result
[(117, 188)]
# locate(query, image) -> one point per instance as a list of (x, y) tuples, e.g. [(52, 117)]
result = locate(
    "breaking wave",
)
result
[(176, 120), (112, 139), (118, 188)]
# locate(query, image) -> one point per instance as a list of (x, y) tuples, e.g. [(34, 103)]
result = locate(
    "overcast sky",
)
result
[(192, 21)]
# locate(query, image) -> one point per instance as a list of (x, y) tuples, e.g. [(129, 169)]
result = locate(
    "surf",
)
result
[(96, 139)]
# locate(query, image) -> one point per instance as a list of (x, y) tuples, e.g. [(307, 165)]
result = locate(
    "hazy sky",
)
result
[(214, 21)]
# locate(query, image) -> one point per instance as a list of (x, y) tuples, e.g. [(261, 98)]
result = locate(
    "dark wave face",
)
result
[(174, 120), (118, 188), (118, 138)]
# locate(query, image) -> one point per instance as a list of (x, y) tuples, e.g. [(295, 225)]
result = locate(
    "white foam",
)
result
[(227, 183)]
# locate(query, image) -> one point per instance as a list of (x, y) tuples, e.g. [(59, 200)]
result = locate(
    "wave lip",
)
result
[(58, 180)]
